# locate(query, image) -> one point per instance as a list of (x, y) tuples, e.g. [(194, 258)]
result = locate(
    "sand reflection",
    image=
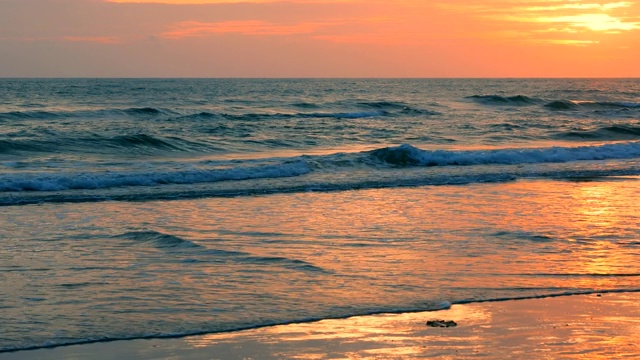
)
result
[(569, 327), (377, 336)]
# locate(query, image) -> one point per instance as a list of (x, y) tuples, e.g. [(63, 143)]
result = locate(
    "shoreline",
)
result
[(558, 326)]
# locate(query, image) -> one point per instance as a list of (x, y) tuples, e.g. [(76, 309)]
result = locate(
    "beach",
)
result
[(593, 326), (319, 179)]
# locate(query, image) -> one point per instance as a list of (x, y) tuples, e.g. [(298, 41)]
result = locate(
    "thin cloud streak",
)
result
[(86, 39), (249, 27), (595, 22), (218, 2), (92, 39), (604, 7)]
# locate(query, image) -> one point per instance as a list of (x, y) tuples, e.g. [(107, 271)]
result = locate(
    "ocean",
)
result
[(147, 208)]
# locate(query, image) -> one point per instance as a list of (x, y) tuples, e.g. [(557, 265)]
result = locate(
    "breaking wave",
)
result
[(112, 179), (410, 155), (384, 167)]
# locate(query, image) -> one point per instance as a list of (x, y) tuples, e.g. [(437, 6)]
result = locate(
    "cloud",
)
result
[(190, 2), (572, 42), (358, 39), (187, 29), (92, 39), (319, 37), (576, 6), (213, 2), (594, 22), (534, 18), (85, 39)]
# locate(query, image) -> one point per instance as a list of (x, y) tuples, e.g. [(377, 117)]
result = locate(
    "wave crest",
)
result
[(143, 111), (409, 155), (157, 239), (504, 100), (105, 180), (561, 105), (606, 133), (141, 143), (591, 105)]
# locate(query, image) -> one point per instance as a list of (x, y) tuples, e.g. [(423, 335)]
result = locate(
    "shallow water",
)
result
[(191, 266)]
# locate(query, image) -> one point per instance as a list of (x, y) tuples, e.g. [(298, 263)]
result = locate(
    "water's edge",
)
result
[(444, 306)]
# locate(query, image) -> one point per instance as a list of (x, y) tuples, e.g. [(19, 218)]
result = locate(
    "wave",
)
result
[(143, 111), (141, 143), (383, 167), (306, 105), (522, 235), (157, 239), (382, 104), (561, 105), (392, 106), (245, 258), (608, 104), (234, 188), (565, 105), (205, 115), (202, 115), (349, 111), (408, 155), (554, 105), (21, 115), (84, 113), (112, 179), (292, 264), (609, 133), (17, 146), (357, 114), (519, 100), (144, 141), (341, 115)]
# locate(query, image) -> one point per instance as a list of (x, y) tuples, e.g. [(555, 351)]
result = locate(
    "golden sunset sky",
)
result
[(319, 38)]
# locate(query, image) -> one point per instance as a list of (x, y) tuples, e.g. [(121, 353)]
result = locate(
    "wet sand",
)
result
[(595, 326)]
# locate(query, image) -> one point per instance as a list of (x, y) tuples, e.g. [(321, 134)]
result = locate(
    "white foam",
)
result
[(412, 155), (67, 181)]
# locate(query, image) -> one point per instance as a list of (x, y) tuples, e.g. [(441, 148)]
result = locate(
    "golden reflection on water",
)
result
[(424, 240)]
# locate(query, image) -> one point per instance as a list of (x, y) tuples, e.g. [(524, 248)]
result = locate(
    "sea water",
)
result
[(136, 208)]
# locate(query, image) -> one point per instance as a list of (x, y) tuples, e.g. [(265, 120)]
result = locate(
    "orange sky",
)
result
[(319, 38)]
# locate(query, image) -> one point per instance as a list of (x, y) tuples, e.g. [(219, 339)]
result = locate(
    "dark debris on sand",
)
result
[(441, 323)]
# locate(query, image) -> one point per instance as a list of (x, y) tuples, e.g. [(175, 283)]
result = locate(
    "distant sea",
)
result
[(140, 208)]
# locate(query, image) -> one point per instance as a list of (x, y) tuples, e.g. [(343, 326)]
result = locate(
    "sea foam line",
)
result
[(102, 180), (409, 155)]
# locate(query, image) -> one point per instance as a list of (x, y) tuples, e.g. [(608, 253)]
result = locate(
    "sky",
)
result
[(319, 38)]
